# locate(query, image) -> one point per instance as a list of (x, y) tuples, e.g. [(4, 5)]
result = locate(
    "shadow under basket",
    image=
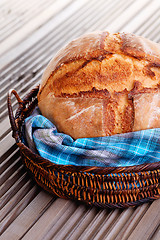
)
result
[(113, 187)]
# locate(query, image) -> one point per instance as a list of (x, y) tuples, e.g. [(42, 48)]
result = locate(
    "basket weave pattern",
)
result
[(114, 187)]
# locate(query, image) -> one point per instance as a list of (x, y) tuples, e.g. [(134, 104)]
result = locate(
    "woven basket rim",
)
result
[(43, 171), (95, 169)]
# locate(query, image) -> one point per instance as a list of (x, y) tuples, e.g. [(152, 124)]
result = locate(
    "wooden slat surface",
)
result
[(31, 33)]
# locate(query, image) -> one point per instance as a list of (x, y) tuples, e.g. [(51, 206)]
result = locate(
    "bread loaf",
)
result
[(102, 84)]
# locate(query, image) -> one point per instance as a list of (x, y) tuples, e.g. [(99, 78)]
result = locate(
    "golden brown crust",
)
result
[(140, 48), (97, 47), (112, 69), (86, 47), (147, 110), (75, 116)]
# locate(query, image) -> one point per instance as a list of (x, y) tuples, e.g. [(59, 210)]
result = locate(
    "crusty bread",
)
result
[(103, 84)]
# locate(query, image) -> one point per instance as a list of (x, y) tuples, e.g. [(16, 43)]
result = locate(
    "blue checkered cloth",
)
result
[(127, 149)]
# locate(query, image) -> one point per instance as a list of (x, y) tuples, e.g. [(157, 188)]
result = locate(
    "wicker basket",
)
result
[(114, 187)]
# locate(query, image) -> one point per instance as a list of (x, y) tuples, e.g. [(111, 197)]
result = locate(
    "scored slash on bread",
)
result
[(103, 84)]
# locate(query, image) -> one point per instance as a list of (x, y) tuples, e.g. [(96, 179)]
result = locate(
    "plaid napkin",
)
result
[(127, 149)]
